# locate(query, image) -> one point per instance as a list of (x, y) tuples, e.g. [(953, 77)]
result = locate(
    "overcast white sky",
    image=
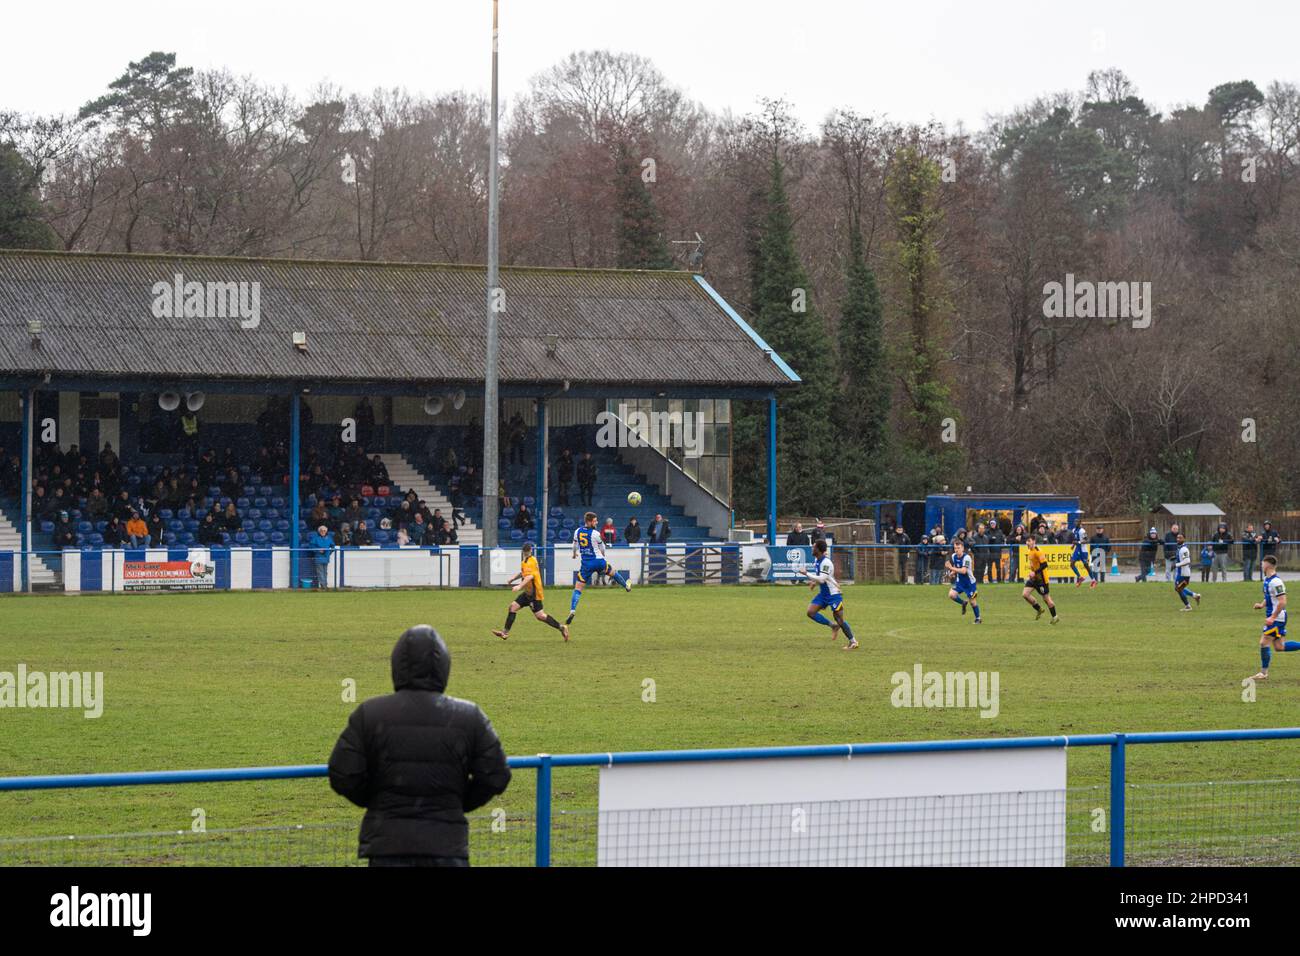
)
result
[(913, 61)]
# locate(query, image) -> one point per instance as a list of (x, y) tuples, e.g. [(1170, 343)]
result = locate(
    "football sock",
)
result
[(1035, 605), (848, 630), (1291, 646), (1052, 608), (510, 621), (820, 619), (977, 611), (551, 621), (958, 600), (619, 578), (1265, 655), (573, 604)]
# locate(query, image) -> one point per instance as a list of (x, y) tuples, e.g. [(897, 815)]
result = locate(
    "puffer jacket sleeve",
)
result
[(489, 774), (349, 773)]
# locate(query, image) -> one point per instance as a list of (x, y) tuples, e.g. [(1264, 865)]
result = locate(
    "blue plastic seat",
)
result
[(516, 535), (166, 514), (241, 538), (278, 503), (265, 491), (552, 523), (84, 527), (259, 537), (47, 527), (214, 491), (557, 512), (186, 539), (528, 500), (380, 536), (97, 540), (277, 537), (507, 512), (243, 504), (176, 526), (265, 526), (282, 526), (100, 526), (531, 535), (503, 524)]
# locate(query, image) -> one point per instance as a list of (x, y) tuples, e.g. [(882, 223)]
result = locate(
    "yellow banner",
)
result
[(1058, 560)]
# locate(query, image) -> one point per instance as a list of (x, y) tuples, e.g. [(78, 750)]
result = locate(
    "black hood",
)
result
[(421, 660)]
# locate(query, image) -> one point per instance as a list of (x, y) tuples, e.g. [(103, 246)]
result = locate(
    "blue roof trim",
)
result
[(758, 339)]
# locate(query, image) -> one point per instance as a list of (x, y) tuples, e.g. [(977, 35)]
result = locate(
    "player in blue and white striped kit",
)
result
[(590, 546), (1274, 608), (828, 595), (965, 589), (1080, 556), (1183, 574)]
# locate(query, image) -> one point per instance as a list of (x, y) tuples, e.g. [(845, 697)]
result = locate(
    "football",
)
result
[(634, 498)]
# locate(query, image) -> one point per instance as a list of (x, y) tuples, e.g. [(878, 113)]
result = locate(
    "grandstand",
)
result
[(265, 356)]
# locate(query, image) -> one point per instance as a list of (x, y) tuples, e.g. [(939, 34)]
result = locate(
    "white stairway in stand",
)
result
[(403, 474), (11, 539)]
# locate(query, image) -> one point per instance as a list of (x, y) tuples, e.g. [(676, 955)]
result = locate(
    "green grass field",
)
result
[(226, 680)]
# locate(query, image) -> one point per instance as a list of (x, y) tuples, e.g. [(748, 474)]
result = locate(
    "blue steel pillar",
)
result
[(771, 470), (295, 507), (541, 509), (1117, 825), (28, 402)]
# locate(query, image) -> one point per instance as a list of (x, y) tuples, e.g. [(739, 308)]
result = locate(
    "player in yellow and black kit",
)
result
[(530, 592), (1037, 580)]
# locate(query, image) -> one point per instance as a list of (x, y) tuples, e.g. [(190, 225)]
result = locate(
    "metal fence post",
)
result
[(543, 823), (1117, 801)]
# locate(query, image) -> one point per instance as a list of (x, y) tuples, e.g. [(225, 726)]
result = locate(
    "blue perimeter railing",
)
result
[(545, 764)]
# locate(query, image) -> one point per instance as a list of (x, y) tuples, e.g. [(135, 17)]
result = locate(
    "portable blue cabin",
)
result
[(951, 512)]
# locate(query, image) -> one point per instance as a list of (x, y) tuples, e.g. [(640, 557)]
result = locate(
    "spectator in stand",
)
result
[(938, 554), (563, 476), (587, 477), (1250, 542), (122, 506), (190, 434), (1171, 550), (114, 533), (524, 519), (1220, 542), (137, 531), (903, 543), (818, 533), (1147, 555), (402, 515), (997, 550), (516, 431), (108, 458), (364, 415), (230, 520), (979, 549), (922, 573), (354, 514), (418, 760), (1269, 541), (632, 533), (320, 515), (418, 530), (65, 532), (156, 529), (659, 531), (438, 524), (96, 505), (449, 463), (233, 485), (41, 503), (336, 511), (403, 537), (206, 468), (1207, 561), (1016, 541), (1099, 545), (209, 533), (322, 545), (362, 537), (797, 537), (502, 497), (345, 535), (608, 532), (379, 472)]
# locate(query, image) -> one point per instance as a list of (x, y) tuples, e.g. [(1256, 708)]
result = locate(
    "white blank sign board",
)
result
[(933, 808)]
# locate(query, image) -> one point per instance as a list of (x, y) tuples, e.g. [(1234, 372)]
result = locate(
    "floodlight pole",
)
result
[(490, 459)]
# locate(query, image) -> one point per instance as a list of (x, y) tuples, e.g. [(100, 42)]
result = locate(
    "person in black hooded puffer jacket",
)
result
[(418, 760)]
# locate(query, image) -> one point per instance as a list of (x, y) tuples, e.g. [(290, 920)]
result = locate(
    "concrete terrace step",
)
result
[(11, 539), (406, 476)]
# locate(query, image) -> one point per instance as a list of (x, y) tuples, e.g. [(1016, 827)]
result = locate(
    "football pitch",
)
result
[(250, 679)]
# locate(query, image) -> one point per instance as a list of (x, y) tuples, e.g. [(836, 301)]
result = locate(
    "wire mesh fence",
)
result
[(1249, 823)]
